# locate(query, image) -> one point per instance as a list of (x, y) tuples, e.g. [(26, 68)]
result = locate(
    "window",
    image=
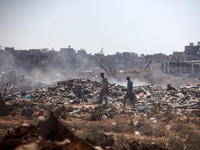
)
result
[(44, 56)]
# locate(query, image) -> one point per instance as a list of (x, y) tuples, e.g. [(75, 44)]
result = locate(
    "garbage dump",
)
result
[(84, 91), (43, 77), (78, 99)]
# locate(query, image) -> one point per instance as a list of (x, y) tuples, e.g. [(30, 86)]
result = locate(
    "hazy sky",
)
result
[(140, 26)]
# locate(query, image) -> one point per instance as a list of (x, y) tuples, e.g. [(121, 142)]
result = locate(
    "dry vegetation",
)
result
[(171, 130)]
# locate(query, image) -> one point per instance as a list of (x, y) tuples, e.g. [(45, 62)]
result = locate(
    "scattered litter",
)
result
[(28, 96), (76, 111), (41, 113), (104, 117), (153, 120), (137, 133)]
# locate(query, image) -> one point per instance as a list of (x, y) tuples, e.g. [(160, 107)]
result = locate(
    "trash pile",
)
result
[(79, 98), (183, 97), (74, 91)]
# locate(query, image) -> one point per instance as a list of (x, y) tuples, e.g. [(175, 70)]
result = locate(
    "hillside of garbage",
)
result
[(75, 100), (43, 77), (81, 90)]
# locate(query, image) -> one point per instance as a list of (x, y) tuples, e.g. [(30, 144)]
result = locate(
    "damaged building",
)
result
[(185, 63), (68, 58), (179, 63), (156, 61), (26, 58)]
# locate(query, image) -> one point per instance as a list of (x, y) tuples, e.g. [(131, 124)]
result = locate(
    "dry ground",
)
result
[(121, 127)]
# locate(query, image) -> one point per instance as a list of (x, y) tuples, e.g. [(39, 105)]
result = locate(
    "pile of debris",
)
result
[(78, 98), (82, 91), (74, 91)]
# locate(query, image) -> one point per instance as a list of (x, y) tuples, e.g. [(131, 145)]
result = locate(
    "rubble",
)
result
[(84, 92), (77, 99)]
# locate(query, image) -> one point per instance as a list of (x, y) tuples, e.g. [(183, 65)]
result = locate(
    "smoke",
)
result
[(63, 66), (138, 82), (6, 61)]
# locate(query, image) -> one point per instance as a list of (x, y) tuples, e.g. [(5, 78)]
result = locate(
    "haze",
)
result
[(156, 26)]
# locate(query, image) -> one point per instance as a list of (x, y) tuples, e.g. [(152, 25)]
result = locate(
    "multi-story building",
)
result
[(192, 49), (26, 58), (184, 63), (67, 52), (156, 61)]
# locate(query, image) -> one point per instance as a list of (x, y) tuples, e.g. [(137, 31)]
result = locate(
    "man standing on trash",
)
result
[(104, 89), (130, 96)]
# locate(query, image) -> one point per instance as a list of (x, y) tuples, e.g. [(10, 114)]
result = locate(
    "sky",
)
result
[(138, 26)]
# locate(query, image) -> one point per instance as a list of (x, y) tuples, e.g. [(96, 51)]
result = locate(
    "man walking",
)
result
[(104, 89), (130, 96)]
